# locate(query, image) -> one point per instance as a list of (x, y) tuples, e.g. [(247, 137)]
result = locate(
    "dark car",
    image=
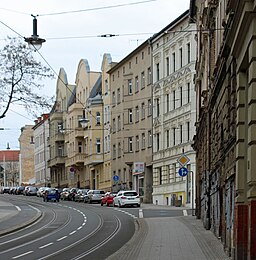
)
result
[(5, 190), (19, 190), (51, 194), (31, 191), (108, 198)]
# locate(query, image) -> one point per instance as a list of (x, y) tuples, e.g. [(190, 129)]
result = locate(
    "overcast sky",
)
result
[(71, 30)]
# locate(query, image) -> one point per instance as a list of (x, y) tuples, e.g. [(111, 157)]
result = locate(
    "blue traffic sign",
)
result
[(183, 172), (115, 177)]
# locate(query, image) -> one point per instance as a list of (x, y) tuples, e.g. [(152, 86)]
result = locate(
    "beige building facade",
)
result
[(131, 122), (27, 168)]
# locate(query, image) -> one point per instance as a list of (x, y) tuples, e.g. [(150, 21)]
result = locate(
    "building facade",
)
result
[(9, 168), (131, 122), (225, 133), (41, 152), (27, 168), (174, 102)]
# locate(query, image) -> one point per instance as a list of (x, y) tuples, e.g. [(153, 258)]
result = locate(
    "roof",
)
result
[(9, 155)]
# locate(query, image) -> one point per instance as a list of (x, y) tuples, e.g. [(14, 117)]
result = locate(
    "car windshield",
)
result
[(130, 193), (52, 191)]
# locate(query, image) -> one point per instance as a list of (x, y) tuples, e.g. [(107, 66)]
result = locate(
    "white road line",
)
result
[(185, 213), (18, 256), (83, 224), (46, 245), (72, 232), (140, 213), (61, 238), (18, 208), (79, 228)]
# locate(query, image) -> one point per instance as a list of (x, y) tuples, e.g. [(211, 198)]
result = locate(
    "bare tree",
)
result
[(20, 77)]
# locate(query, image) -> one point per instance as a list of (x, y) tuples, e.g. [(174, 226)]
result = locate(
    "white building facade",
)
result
[(174, 115)]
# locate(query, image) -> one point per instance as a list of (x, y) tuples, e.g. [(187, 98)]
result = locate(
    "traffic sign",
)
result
[(115, 177), (183, 160), (183, 172)]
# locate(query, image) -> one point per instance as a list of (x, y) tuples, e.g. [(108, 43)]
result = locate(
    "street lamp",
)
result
[(34, 42)]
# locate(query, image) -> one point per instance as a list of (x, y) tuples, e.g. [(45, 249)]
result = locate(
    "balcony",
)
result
[(57, 161), (93, 159), (77, 159)]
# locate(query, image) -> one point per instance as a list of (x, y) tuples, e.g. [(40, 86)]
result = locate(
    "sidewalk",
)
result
[(171, 238)]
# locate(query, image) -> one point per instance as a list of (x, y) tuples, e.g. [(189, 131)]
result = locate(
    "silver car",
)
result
[(95, 195)]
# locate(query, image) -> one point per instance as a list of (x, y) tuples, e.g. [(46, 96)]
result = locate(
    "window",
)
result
[(136, 84), (149, 138), (149, 76), (123, 70), (130, 116), (167, 103), (157, 107), (98, 145), (173, 136), (181, 139), (188, 131), (143, 141), (173, 62), (188, 93), (181, 96), (188, 52), (130, 144), (114, 125), (129, 86), (137, 113), (137, 143), (119, 150), (174, 99), (118, 95), (142, 80), (113, 78), (113, 98), (181, 64), (142, 55), (167, 66), (157, 72), (160, 175), (80, 147), (106, 86), (130, 65), (149, 107), (97, 118), (143, 110), (114, 151), (119, 123), (157, 141), (167, 138), (105, 115)]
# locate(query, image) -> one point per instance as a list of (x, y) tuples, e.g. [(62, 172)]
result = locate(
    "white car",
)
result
[(127, 197)]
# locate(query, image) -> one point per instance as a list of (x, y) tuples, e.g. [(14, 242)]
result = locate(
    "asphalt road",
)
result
[(67, 230)]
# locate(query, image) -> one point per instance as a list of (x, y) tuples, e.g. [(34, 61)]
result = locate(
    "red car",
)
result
[(108, 198)]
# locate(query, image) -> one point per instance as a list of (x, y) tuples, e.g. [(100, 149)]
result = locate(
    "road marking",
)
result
[(46, 245), (18, 208), (18, 256), (61, 238), (79, 228), (185, 213), (72, 232), (140, 213)]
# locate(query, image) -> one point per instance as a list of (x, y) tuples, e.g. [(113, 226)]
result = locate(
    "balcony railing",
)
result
[(75, 160)]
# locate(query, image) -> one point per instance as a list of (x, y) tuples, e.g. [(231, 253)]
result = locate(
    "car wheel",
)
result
[(119, 204), (138, 205), (107, 204), (101, 204), (90, 201)]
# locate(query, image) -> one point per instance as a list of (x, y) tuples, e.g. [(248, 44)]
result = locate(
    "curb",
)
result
[(23, 225)]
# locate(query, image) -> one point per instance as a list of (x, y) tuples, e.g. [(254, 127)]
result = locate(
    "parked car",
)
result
[(64, 194), (51, 194), (125, 198), (12, 190), (79, 196), (108, 198), (72, 193), (5, 190), (19, 190), (40, 191), (95, 195), (31, 191)]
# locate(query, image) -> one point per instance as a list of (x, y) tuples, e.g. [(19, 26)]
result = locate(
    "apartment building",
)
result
[(27, 168), (131, 122), (75, 162), (41, 151), (225, 130), (174, 102), (64, 93)]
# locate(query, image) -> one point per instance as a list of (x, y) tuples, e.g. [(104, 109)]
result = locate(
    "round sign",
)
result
[(115, 177), (183, 172), (72, 169)]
